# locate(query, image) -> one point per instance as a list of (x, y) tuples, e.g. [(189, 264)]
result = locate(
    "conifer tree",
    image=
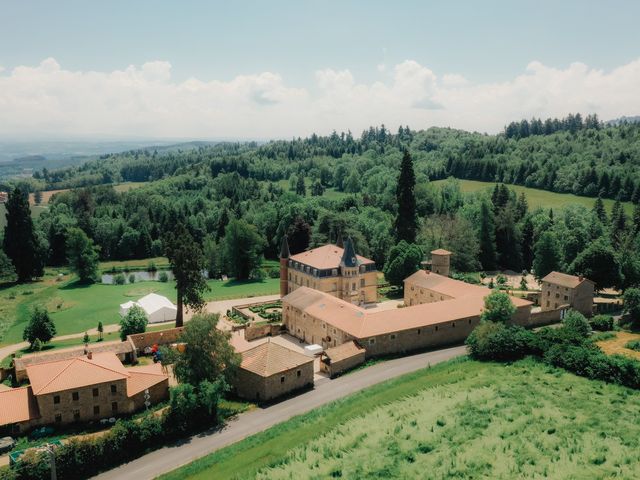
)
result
[(406, 223), (21, 244), (600, 212), (547, 255), (486, 238)]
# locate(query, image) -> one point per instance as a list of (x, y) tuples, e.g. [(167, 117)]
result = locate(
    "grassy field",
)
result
[(76, 308), (35, 212), (540, 198), (462, 419)]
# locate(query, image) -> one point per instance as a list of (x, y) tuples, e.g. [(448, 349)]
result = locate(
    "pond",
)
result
[(109, 278)]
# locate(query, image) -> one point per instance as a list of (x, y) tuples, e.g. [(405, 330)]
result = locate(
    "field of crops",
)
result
[(463, 419)]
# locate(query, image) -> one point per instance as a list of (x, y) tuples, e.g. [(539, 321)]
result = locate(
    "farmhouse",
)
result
[(157, 308), (270, 370), (331, 269), (80, 389), (561, 289)]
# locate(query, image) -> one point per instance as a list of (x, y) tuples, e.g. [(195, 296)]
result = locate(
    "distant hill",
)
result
[(623, 119)]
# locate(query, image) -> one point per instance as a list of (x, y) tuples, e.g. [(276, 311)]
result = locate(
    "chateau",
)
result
[(331, 269), (437, 311)]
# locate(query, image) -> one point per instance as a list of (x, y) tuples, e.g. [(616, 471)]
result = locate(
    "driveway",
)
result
[(246, 424)]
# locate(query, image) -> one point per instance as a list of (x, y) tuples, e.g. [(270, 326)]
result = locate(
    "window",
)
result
[(58, 418), (299, 373), (353, 286), (75, 396), (96, 409), (114, 389), (548, 293), (334, 272), (76, 415), (56, 399), (392, 336), (362, 282), (436, 328), (557, 295), (547, 303), (566, 297), (282, 379), (96, 392), (372, 341), (469, 321), (419, 331), (114, 407)]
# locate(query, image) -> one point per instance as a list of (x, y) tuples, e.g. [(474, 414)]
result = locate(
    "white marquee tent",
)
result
[(158, 308)]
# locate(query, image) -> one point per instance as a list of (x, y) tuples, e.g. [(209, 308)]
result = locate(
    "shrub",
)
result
[(631, 309), (132, 278), (498, 307), (135, 321), (164, 278), (151, 267), (576, 322), (274, 273), (602, 323), (497, 341), (633, 345), (119, 279)]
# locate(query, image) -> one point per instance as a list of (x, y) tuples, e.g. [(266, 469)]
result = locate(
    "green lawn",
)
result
[(76, 308), (36, 210), (461, 419), (540, 198)]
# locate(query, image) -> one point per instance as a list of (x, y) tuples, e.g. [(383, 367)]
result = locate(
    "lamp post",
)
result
[(52, 461)]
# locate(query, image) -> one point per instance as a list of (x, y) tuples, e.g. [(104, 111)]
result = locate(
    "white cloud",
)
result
[(144, 101)]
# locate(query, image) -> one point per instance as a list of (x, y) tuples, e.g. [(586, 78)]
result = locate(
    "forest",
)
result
[(238, 200)]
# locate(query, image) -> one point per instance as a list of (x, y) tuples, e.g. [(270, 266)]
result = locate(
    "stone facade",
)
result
[(84, 404), (560, 289), (330, 269), (258, 388), (441, 262)]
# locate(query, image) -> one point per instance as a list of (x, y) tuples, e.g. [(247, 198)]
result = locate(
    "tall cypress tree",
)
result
[(406, 224), (600, 212), (487, 238), (20, 242)]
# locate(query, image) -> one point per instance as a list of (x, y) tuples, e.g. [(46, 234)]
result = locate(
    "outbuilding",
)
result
[(270, 370), (157, 308), (344, 357)]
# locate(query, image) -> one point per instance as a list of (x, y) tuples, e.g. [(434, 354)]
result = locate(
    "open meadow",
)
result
[(461, 419), (540, 198), (75, 307)]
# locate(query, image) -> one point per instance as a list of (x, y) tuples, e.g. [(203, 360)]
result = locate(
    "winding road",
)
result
[(171, 457)]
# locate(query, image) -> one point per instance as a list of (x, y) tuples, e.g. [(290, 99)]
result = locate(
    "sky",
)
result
[(280, 69)]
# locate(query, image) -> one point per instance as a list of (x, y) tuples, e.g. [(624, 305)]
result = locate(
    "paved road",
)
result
[(170, 458)]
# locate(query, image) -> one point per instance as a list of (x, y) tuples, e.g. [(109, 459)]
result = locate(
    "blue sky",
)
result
[(484, 43)]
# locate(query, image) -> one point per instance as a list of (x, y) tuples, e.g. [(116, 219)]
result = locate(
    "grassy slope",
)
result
[(540, 198), (461, 419), (76, 308)]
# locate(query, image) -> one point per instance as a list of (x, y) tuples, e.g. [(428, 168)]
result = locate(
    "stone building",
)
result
[(561, 289), (82, 389), (426, 322), (269, 371), (331, 269), (441, 262), (337, 360)]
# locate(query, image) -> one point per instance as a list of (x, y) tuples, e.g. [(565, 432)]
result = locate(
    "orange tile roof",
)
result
[(359, 323), (270, 359), (324, 257), (141, 378), (346, 350), (564, 279), (78, 372), (115, 346), (444, 285), (440, 251), (17, 405)]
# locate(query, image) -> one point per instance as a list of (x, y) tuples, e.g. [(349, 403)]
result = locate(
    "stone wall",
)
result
[(85, 403), (312, 330), (336, 368), (253, 332), (140, 341), (259, 389), (545, 317)]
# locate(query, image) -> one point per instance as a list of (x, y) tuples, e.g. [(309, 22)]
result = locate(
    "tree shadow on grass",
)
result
[(77, 284), (239, 283)]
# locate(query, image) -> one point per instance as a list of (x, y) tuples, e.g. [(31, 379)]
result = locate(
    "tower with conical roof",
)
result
[(350, 273), (284, 266)]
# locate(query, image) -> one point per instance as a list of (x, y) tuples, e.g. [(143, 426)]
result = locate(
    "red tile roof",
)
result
[(269, 359), (17, 405), (142, 378), (564, 279), (324, 257), (78, 372)]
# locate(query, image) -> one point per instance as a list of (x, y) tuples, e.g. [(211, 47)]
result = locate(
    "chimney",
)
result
[(580, 277), (89, 355)]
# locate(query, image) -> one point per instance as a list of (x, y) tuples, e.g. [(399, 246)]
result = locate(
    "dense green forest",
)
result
[(317, 188)]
